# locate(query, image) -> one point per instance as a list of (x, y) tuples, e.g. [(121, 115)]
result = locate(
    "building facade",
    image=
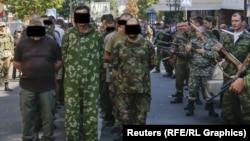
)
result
[(221, 9)]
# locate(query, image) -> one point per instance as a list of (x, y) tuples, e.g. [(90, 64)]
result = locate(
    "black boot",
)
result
[(178, 98), (176, 101), (206, 106), (198, 100), (6, 86), (190, 109), (211, 111)]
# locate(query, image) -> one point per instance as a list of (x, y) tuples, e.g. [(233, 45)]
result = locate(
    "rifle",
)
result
[(231, 33), (166, 58), (240, 73), (228, 55), (194, 44)]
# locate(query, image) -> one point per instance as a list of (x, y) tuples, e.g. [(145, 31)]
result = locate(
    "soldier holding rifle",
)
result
[(202, 65), (236, 100), (181, 61), (161, 37)]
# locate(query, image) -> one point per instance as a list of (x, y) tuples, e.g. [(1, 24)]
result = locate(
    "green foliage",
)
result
[(132, 8), (23, 8)]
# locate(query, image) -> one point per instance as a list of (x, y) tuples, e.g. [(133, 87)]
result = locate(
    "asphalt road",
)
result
[(161, 112)]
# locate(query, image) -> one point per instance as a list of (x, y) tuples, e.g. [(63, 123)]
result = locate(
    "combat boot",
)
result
[(6, 86), (198, 100), (176, 101), (211, 112), (190, 110), (178, 98)]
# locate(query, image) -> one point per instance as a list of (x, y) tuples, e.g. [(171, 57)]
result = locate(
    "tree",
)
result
[(23, 8), (132, 8)]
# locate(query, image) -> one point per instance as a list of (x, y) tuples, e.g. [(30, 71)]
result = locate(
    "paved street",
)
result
[(161, 112)]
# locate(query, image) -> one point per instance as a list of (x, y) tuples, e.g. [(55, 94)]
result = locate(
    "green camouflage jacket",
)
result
[(82, 55), (239, 50), (203, 64), (133, 62)]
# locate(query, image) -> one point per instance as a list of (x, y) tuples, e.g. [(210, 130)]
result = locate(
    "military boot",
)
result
[(198, 100), (6, 86), (178, 98), (211, 112), (176, 101), (190, 110)]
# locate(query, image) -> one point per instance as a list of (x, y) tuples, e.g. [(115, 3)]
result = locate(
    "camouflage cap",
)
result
[(2, 24)]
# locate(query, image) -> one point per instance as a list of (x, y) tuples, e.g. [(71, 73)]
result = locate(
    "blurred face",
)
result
[(2, 28), (207, 24), (198, 34), (166, 29), (18, 34), (185, 26), (237, 23), (179, 27)]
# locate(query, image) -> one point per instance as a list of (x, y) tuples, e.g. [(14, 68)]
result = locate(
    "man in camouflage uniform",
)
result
[(82, 51), (133, 59), (161, 53), (236, 104), (109, 47), (198, 22), (202, 64), (7, 47), (182, 62)]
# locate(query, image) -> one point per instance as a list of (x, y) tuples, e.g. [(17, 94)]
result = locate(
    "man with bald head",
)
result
[(133, 59)]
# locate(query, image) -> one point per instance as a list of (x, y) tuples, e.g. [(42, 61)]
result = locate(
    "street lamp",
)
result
[(151, 15), (6, 13)]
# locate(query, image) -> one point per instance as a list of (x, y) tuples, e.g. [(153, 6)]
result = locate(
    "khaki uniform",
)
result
[(7, 47)]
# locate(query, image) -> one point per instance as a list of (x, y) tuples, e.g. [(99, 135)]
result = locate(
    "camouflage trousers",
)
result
[(236, 107), (195, 84), (133, 108), (158, 58), (113, 99), (181, 75), (81, 118), (6, 62)]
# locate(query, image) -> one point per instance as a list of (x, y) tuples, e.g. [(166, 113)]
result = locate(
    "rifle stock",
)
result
[(240, 73)]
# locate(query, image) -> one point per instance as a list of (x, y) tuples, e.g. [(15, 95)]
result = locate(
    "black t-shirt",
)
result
[(37, 60)]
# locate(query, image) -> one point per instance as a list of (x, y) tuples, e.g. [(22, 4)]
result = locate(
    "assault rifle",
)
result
[(240, 73), (194, 44), (228, 55)]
